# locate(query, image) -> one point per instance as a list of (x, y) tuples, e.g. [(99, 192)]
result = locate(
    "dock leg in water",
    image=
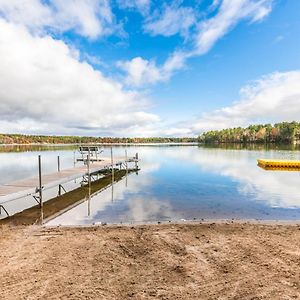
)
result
[(136, 161), (89, 179), (40, 182), (112, 174), (126, 165)]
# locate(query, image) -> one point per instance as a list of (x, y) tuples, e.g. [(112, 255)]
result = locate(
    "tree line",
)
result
[(45, 139), (279, 133), (284, 133)]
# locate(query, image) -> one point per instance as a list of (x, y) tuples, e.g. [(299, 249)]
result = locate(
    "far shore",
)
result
[(103, 144)]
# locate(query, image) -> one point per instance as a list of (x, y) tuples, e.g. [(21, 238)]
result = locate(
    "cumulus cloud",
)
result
[(275, 96), (89, 18), (270, 99), (171, 20), (42, 82), (176, 19), (140, 72)]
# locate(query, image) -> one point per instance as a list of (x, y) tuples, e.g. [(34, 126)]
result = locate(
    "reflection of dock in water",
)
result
[(61, 204), (94, 168), (279, 164)]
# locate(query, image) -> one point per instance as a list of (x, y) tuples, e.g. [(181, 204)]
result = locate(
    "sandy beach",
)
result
[(166, 261)]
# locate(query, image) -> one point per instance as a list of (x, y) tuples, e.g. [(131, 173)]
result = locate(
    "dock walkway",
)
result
[(26, 187)]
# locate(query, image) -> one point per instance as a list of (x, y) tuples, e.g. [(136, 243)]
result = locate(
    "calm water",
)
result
[(175, 182)]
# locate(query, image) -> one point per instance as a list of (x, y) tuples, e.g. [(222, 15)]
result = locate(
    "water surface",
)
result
[(174, 183)]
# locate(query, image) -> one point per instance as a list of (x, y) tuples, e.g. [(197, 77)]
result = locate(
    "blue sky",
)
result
[(147, 68)]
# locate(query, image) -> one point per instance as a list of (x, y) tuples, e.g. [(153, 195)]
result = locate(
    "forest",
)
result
[(44, 139), (279, 133)]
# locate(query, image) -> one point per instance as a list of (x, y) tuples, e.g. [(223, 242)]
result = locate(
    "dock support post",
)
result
[(136, 160), (89, 172), (112, 165), (2, 207), (112, 174), (60, 188), (74, 162), (58, 170), (40, 183), (126, 165), (89, 179)]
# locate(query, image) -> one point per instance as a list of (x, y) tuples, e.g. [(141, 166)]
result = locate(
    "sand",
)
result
[(173, 261)]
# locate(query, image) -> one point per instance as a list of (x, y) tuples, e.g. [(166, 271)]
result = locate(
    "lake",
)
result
[(174, 183)]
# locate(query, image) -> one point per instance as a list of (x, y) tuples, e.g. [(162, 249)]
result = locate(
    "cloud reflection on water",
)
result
[(150, 210), (101, 204), (277, 188), (195, 182)]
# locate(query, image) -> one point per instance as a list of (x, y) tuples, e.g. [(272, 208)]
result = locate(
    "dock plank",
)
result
[(16, 189)]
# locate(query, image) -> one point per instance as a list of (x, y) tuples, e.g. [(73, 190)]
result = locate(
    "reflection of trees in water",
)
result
[(249, 146), (29, 148)]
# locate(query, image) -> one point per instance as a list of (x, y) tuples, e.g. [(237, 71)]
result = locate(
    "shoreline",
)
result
[(105, 144), (182, 222)]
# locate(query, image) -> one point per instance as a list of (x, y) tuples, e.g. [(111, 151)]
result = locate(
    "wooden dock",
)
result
[(279, 164), (60, 204), (26, 187)]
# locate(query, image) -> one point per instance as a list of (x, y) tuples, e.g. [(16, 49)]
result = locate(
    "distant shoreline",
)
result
[(102, 144), (7, 138)]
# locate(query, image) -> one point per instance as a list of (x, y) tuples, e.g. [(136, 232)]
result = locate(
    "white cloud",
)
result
[(44, 87), (42, 81), (207, 33), (175, 62), (214, 4), (143, 6), (229, 14), (89, 18), (31, 13), (140, 72), (272, 98), (171, 20)]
